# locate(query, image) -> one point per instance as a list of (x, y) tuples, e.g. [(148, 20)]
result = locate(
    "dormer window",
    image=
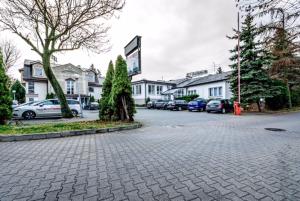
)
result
[(38, 72)]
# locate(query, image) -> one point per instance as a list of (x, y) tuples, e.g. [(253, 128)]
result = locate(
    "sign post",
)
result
[(133, 56)]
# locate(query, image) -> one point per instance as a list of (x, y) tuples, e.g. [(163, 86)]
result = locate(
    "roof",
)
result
[(153, 82), (210, 79), (170, 91)]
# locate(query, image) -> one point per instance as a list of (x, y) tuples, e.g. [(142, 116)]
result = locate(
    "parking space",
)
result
[(177, 155)]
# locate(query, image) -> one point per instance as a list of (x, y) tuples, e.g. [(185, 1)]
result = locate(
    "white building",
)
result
[(72, 79), (143, 89), (207, 87)]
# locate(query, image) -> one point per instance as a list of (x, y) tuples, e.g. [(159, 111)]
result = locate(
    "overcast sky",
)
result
[(177, 37)]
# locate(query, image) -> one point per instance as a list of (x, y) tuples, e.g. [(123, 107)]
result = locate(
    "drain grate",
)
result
[(275, 129)]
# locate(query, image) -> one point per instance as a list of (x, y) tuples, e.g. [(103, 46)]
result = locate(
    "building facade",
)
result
[(143, 89), (206, 86), (74, 80)]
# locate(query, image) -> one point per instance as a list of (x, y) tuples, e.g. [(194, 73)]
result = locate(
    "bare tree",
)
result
[(11, 53), (52, 26)]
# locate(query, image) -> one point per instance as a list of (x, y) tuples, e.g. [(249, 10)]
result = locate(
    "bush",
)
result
[(50, 96), (188, 98)]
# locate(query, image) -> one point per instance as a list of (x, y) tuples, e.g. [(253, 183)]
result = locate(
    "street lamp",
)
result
[(79, 96), (14, 92)]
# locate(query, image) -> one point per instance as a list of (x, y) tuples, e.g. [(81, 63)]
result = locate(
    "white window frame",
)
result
[(151, 89), (35, 71), (70, 86), (159, 89), (30, 85), (215, 91), (138, 89)]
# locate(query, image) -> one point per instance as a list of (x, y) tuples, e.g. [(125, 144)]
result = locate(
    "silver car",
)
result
[(46, 108)]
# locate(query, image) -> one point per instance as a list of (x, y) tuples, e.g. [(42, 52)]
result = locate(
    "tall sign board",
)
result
[(133, 56)]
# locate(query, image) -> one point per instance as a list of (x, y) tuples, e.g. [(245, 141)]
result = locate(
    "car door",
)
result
[(56, 109), (44, 108)]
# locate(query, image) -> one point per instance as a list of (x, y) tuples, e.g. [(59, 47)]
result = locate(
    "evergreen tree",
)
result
[(121, 97), (255, 83), (19, 92), (5, 98), (106, 111)]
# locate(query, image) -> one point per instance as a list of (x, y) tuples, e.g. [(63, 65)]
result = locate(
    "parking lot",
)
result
[(177, 155)]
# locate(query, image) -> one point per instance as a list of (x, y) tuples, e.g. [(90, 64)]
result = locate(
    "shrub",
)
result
[(295, 93), (50, 96)]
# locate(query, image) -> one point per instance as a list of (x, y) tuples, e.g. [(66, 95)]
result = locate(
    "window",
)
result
[(151, 89), (31, 87), (132, 90), (192, 92), (31, 99), (48, 102), (73, 102), (159, 89), (38, 72), (215, 91), (138, 89), (91, 77), (180, 92), (70, 86), (91, 89)]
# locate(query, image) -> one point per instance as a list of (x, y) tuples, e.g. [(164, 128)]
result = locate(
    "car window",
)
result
[(46, 103), (73, 102), (55, 102), (214, 102)]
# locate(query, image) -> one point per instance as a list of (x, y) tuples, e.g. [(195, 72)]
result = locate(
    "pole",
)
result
[(238, 59)]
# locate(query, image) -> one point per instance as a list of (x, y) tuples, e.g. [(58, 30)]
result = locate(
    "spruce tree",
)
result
[(121, 97), (255, 82), (5, 98), (106, 111), (19, 92)]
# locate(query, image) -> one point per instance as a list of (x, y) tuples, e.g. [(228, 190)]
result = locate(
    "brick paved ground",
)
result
[(176, 156)]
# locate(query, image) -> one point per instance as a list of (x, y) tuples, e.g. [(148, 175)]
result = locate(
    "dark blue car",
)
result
[(197, 105)]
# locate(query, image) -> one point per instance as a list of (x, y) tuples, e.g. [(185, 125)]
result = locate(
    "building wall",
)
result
[(203, 90), (40, 91), (97, 93)]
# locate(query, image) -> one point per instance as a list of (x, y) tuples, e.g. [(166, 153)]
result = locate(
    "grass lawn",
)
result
[(58, 127)]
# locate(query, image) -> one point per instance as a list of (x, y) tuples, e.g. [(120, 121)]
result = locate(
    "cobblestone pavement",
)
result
[(175, 156)]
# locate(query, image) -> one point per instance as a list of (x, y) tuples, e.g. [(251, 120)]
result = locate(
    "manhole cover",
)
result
[(275, 129)]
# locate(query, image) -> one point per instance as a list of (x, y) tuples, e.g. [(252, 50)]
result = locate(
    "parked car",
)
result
[(14, 104), (219, 105), (151, 105), (161, 104), (46, 108), (177, 105), (92, 106), (198, 104)]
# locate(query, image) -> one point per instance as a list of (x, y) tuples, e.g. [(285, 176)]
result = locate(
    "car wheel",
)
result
[(74, 113), (223, 111), (207, 111), (28, 115)]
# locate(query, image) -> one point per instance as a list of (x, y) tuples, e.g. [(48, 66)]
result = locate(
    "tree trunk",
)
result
[(125, 107), (289, 94), (65, 110), (258, 106)]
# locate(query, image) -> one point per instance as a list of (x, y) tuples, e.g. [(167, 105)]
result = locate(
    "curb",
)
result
[(40, 136)]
